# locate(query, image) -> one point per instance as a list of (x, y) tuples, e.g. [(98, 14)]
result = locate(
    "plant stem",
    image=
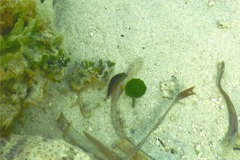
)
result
[(133, 102)]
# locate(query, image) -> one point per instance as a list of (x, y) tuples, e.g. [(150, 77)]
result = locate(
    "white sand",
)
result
[(185, 39)]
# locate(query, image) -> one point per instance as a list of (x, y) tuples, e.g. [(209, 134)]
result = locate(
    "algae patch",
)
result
[(31, 54)]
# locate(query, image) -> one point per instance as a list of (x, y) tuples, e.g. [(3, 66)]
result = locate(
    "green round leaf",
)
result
[(135, 88)]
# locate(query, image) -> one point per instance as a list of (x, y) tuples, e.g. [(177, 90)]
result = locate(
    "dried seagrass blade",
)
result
[(126, 146), (185, 93), (232, 133), (181, 95), (110, 155)]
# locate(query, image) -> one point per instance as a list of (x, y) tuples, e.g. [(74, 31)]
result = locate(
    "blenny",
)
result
[(114, 83)]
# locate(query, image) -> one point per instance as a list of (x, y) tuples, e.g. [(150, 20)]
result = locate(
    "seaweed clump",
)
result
[(31, 54), (90, 74)]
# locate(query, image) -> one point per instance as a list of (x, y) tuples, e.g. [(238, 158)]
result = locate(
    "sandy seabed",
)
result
[(181, 39)]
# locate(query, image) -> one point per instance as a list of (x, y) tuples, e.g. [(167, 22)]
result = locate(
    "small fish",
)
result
[(114, 92), (114, 83), (232, 132)]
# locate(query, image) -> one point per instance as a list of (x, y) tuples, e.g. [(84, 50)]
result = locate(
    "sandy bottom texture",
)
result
[(180, 44)]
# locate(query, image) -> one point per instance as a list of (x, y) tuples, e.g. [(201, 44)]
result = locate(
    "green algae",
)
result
[(31, 54)]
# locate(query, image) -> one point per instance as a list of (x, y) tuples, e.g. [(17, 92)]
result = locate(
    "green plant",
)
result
[(31, 54), (135, 88), (90, 73)]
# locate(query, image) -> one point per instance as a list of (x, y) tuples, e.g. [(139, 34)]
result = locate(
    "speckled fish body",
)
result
[(114, 83)]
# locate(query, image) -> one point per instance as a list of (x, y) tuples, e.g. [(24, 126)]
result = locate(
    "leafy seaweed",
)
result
[(90, 73), (31, 52)]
